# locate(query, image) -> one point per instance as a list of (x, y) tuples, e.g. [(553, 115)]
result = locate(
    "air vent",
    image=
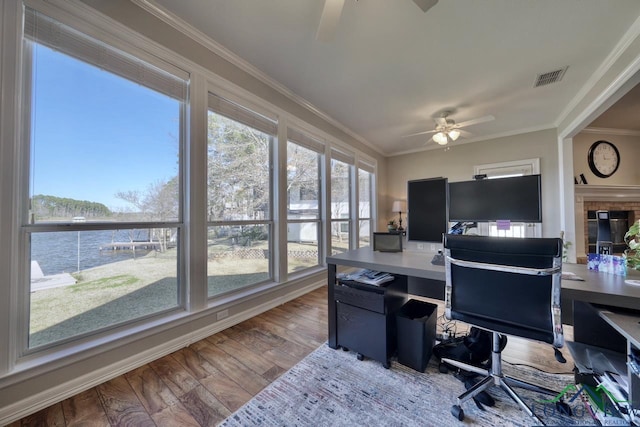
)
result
[(550, 77)]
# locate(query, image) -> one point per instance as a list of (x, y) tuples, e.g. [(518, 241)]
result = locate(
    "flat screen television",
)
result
[(427, 206), (517, 199)]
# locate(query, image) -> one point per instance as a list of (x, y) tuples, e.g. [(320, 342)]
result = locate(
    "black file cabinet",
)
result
[(366, 320)]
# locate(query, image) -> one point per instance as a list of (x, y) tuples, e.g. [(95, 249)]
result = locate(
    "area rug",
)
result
[(332, 388)]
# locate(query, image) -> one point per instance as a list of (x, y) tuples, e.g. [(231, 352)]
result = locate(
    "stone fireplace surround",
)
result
[(601, 197)]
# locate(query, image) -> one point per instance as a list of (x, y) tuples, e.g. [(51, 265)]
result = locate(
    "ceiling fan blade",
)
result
[(465, 134), (425, 4), (475, 121), (329, 19), (420, 133)]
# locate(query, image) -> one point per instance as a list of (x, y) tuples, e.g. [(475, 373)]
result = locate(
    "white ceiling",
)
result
[(390, 68)]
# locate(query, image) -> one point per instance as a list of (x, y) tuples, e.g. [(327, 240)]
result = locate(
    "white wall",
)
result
[(457, 164)]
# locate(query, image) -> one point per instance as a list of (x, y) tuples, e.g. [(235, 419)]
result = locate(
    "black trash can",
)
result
[(416, 324)]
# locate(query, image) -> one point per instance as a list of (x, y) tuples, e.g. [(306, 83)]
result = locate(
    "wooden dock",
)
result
[(114, 246)]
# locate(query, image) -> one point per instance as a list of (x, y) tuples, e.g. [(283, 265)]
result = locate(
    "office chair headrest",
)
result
[(513, 251), (551, 247)]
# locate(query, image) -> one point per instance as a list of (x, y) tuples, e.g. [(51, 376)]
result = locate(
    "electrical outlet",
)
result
[(222, 314), (433, 247), (420, 246)]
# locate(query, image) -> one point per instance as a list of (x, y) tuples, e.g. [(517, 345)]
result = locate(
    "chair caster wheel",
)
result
[(386, 365), (359, 356), (457, 412), (443, 368)]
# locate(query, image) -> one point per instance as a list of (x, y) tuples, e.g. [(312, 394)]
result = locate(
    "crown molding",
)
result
[(623, 44), (184, 27), (611, 131)]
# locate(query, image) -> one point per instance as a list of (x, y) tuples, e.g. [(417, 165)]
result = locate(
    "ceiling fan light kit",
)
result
[(447, 130), (440, 138), (444, 137)]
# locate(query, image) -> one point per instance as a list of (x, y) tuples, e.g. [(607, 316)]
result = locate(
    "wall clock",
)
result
[(603, 158)]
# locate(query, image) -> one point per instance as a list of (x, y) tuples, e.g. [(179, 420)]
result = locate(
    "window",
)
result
[(340, 204), (365, 198), (104, 224), (98, 172), (303, 201), (240, 222)]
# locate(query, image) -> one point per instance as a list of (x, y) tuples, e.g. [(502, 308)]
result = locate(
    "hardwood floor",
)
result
[(204, 383)]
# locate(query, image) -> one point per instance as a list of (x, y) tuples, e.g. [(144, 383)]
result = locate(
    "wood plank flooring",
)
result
[(204, 383)]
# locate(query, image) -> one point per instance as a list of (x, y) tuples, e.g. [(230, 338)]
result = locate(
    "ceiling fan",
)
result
[(448, 130), (333, 9)]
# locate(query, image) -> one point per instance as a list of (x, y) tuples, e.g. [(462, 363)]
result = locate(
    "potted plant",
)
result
[(632, 239), (391, 225)]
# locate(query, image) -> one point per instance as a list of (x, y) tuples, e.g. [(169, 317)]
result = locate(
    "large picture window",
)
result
[(103, 224), (142, 192), (303, 202), (340, 204), (238, 196)]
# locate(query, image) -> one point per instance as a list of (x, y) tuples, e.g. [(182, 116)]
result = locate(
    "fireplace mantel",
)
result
[(610, 193)]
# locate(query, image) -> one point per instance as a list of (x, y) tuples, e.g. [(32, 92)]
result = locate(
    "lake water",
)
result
[(58, 252)]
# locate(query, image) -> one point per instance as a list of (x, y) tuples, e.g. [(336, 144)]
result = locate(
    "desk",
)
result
[(597, 288)]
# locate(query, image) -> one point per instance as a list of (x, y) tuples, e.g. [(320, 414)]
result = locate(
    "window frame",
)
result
[(27, 227), (234, 105), (350, 217), (305, 140), (365, 167)]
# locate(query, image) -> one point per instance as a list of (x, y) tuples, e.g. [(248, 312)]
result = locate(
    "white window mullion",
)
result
[(195, 197), (354, 216), (11, 307), (280, 258), (326, 200)]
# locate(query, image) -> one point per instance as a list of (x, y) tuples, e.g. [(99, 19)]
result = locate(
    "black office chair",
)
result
[(506, 286)]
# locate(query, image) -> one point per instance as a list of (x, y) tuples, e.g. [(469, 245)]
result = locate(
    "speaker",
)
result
[(387, 242)]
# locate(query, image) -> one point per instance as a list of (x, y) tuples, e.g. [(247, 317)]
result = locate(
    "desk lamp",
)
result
[(399, 206)]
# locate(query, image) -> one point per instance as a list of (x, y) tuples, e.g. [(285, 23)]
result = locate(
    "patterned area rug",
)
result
[(332, 388)]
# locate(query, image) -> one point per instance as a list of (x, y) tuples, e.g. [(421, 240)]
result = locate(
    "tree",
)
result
[(47, 207), (340, 188), (302, 175), (238, 171), (159, 202)]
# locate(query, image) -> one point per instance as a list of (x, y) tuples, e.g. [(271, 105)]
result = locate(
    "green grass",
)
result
[(127, 290), (105, 283)]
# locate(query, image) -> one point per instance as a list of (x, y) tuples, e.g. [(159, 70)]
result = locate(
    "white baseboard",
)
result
[(44, 399)]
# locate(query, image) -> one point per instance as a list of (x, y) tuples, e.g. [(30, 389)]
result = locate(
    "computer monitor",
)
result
[(427, 209), (517, 199)]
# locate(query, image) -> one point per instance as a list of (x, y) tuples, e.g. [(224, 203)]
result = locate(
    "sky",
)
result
[(95, 134)]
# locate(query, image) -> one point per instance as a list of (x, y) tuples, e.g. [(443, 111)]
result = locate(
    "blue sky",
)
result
[(95, 133)]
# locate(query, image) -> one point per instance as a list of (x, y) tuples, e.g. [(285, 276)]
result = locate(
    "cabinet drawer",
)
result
[(364, 332), (368, 299)]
